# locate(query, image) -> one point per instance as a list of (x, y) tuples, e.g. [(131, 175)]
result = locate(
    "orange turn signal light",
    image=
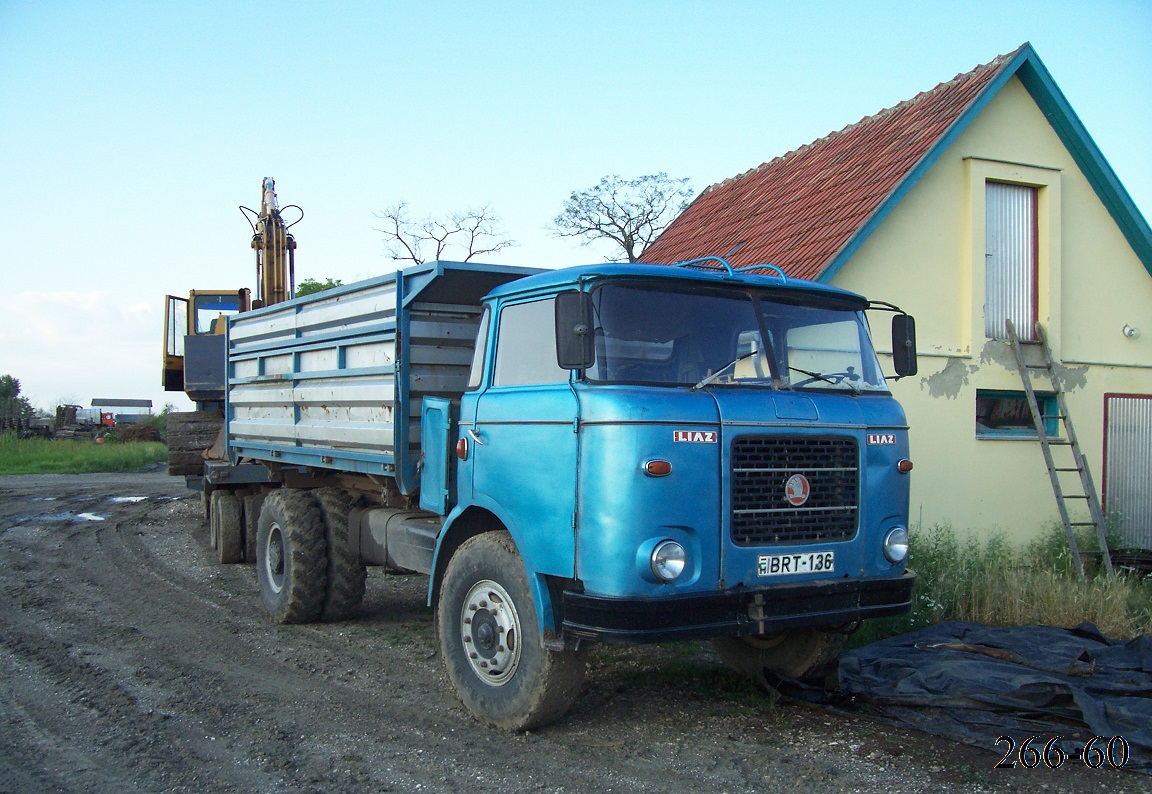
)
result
[(657, 468), (462, 449), (904, 466)]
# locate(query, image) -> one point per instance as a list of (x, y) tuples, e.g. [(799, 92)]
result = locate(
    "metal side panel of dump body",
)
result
[(336, 379)]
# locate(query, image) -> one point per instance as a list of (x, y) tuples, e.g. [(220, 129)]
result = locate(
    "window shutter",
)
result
[(1010, 257)]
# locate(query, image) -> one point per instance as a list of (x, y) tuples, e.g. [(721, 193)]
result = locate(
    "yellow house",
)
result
[(981, 200)]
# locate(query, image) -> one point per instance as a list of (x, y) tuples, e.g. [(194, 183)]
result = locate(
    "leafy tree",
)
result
[(14, 409), (629, 212), (310, 285), (477, 231)]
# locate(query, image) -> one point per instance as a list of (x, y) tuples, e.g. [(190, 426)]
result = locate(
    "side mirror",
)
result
[(904, 345), (574, 339)]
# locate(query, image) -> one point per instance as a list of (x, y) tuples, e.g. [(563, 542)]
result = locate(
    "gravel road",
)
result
[(130, 661)]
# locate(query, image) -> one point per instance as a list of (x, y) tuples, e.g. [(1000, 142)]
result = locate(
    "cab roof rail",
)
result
[(719, 263)]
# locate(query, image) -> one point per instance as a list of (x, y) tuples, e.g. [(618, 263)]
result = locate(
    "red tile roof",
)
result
[(800, 210)]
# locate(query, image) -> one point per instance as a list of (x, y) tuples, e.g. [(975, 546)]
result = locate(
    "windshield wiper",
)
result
[(840, 377), (709, 378)]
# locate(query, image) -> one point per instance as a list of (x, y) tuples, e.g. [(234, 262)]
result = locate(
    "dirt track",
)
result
[(129, 661)]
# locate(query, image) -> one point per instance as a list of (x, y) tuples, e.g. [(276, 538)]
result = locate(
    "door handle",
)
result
[(475, 436)]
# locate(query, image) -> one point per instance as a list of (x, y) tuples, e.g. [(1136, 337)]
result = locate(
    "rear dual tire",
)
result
[(304, 559), (291, 556), (346, 572), (226, 527)]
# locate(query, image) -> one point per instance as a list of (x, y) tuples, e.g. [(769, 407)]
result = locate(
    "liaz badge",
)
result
[(694, 436)]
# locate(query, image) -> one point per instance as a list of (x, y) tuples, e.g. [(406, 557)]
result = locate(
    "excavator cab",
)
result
[(192, 361)]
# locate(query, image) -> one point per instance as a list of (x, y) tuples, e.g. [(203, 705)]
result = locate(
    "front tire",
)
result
[(801, 654), (291, 560), (490, 639)]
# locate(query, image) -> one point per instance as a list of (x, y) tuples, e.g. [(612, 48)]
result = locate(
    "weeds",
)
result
[(40, 456), (991, 581)]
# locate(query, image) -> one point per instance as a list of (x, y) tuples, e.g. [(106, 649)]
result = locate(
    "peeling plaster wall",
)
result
[(927, 257), (950, 381)]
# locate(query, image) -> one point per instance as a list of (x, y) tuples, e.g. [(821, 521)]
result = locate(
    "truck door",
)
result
[(523, 438)]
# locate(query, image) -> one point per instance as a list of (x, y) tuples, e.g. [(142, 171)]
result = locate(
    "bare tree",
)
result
[(477, 231), (629, 212)]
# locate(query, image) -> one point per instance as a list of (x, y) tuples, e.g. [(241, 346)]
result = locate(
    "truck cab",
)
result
[(687, 452)]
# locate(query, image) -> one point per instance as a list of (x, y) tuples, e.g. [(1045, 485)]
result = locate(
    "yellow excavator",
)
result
[(194, 341)]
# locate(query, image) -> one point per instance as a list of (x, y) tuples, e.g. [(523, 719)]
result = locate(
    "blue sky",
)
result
[(130, 131)]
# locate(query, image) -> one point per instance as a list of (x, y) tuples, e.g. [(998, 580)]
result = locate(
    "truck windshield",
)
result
[(726, 337)]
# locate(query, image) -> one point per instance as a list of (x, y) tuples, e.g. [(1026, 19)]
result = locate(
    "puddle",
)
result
[(43, 499), (63, 517), (123, 499)]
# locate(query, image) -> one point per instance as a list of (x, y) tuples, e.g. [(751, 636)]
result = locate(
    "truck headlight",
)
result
[(896, 545), (668, 560)]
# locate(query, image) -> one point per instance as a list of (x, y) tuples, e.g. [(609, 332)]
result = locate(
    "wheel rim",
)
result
[(490, 630), (274, 559)]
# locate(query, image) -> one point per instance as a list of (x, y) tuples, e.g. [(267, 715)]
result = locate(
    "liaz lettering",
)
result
[(881, 438), (694, 436)]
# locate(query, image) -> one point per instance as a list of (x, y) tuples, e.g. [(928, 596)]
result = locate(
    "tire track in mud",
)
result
[(130, 660), (174, 657)]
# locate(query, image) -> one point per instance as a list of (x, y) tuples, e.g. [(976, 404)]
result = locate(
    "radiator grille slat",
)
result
[(761, 468)]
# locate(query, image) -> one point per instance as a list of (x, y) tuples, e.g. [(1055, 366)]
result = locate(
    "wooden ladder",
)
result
[(1087, 491)]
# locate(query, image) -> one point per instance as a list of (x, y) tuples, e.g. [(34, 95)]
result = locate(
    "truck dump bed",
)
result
[(336, 380)]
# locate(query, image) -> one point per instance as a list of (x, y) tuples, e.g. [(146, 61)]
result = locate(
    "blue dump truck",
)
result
[(611, 453)]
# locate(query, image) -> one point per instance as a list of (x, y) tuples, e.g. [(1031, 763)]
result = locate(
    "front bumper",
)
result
[(735, 612)]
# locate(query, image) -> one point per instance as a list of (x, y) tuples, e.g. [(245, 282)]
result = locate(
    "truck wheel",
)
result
[(290, 556), (491, 641), (346, 572), (206, 503), (252, 504), (799, 653), (226, 527)]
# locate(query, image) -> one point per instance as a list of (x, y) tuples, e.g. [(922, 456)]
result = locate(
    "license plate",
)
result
[(784, 564)]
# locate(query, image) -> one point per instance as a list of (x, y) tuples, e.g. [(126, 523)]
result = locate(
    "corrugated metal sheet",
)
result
[(800, 210), (320, 374), (442, 339), (1128, 468), (1010, 260)]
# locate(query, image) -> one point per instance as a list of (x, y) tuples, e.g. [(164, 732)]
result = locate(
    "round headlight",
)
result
[(668, 560), (896, 545)]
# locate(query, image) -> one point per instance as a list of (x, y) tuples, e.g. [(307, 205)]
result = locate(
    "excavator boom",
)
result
[(275, 248)]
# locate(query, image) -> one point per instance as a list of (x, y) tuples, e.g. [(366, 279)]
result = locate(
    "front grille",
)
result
[(762, 467)]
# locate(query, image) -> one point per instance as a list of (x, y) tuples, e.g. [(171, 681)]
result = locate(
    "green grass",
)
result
[(40, 456), (989, 580)]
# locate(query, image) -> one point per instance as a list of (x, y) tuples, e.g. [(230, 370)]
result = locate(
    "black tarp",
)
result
[(975, 683)]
